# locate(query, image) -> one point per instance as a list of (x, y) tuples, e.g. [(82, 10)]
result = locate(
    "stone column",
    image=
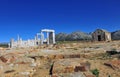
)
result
[(47, 38), (11, 43), (21, 43), (36, 36), (42, 38), (35, 41), (18, 39), (53, 37)]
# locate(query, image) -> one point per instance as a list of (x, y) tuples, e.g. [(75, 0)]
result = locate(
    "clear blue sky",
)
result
[(27, 17)]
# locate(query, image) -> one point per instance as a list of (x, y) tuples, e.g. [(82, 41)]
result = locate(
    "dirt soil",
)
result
[(79, 59)]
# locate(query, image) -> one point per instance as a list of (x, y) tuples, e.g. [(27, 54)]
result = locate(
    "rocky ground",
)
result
[(79, 59)]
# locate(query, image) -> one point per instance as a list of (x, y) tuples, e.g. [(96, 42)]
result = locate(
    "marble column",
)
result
[(42, 37), (48, 38), (53, 37)]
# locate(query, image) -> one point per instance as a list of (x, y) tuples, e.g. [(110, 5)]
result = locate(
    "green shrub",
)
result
[(109, 76), (95, 72)]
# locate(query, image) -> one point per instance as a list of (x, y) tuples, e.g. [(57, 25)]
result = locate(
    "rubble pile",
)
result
[(15, 65), (71, 67)]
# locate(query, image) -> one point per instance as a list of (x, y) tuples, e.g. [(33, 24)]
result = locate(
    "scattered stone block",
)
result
[(3, 59), (9, 71), (25, 73), (70, 66), (77, 74), (115, 64), (80, 68), (60, 56)]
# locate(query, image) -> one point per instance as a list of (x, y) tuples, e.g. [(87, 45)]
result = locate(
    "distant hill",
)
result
[(5, 45), (74, 36), (115, 35), (61, 36)]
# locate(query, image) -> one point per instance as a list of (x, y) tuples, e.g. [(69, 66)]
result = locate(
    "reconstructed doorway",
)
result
[(99, 37)]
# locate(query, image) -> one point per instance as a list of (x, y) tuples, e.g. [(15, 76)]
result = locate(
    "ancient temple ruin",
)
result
[(101, 35), (38, 40), (50, 36)]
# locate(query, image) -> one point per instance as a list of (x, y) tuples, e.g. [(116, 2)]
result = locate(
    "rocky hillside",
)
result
[(74, 36), (61, 36), (115, 35)]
